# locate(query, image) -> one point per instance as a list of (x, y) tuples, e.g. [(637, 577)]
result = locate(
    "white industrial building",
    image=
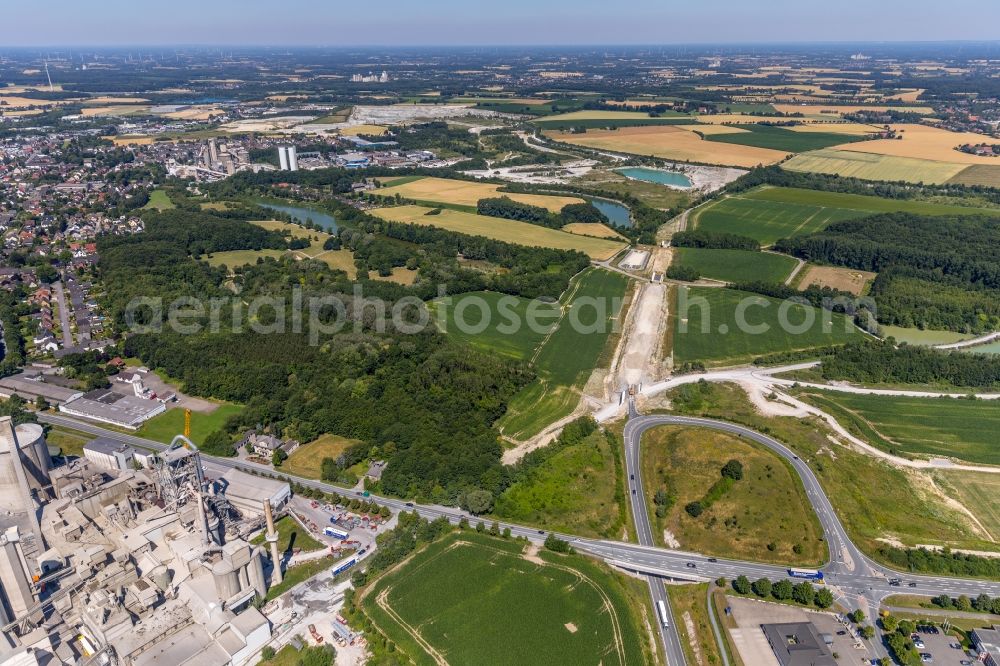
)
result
[(106, 406), (247, 492), (112, 454)]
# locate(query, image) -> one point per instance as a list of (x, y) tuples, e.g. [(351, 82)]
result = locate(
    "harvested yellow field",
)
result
[(840, 109), (126, 140), (115, 100), (114, 110), (844, 279), (355, 130), (17, 90), (926, 143), (198, 112), (710, 130), (20, 112), (850, 129), (508, 231), (907, 96), (14, 102), (672, 143), (595, 229), (869, 166), (468, 193)]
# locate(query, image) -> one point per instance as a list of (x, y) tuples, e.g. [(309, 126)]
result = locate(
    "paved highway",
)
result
[(857, 580)]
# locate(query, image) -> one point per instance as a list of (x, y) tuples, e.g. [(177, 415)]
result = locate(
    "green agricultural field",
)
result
[(159, 200), (962, 429), (568, 356), (869, 166), (735, 265), (169, 424), (578, 490), (707, 326), (496, 323), (769, 213), (504, 608), (779, 138), (767, 506)]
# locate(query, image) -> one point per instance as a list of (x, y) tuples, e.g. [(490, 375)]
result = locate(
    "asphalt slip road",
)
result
[(858, 581)]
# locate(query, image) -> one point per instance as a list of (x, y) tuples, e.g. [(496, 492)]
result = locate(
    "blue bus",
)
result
[(336, 533), (345, 566), (809, 574)]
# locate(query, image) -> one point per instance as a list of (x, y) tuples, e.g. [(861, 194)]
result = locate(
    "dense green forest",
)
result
[(421, 401), (884, 362), (934, 272)]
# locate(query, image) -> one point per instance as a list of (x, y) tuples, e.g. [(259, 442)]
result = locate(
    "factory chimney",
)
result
[(272, 540)]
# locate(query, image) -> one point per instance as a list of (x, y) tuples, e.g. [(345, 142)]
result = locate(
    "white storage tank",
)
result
[(34, 454)]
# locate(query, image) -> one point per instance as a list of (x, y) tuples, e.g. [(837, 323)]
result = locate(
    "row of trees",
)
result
[(712, 239), (885, 362), (922, 560), (784, 590)]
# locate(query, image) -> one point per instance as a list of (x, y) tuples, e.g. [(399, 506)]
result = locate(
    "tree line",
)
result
[(883, 362)]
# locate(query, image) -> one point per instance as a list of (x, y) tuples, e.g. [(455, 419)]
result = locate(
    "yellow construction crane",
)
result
[(187, 423)]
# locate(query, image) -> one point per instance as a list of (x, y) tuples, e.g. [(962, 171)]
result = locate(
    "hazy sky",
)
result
[(420, 22)]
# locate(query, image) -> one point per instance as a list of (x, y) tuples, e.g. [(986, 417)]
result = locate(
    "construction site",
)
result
[(132, 557)]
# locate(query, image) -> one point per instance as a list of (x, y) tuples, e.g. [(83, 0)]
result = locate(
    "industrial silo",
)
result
[(34, 454), (227, 580)]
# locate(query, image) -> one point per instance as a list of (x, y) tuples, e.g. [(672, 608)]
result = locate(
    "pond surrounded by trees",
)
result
[(301, 215)]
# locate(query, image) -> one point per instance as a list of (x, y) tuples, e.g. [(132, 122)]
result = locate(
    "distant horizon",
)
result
[(121, 23), (375, 45)]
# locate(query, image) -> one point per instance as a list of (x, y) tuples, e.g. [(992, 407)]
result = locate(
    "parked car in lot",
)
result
[(927, 657)]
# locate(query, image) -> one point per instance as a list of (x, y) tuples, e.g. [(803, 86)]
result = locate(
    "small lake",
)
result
[(657, 176), (618, 214), (302, 215)]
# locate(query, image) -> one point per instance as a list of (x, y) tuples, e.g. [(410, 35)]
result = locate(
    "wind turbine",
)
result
[(49, 77)]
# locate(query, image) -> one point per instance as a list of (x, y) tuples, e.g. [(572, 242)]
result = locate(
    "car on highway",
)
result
[(692, 565), (712, 559), (409, 504), (631, 477), (911, 585)]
